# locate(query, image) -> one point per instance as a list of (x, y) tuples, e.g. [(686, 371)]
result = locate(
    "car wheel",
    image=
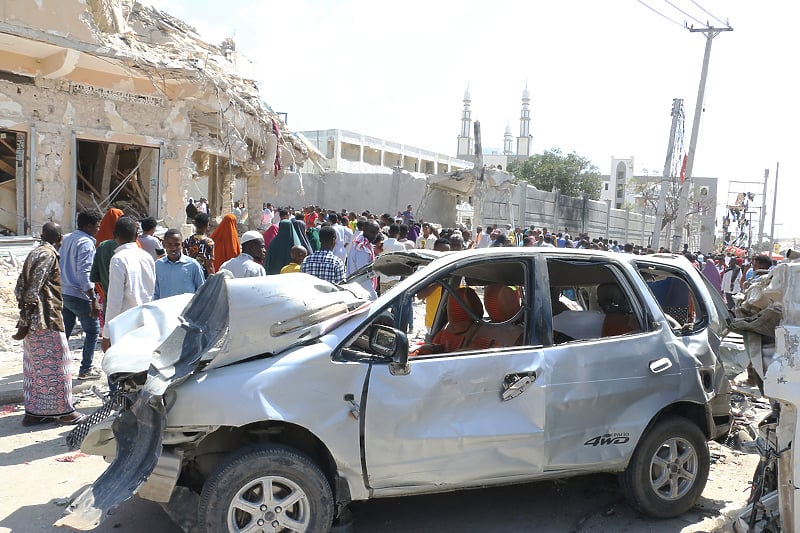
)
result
[(668, 470), (266, 488)]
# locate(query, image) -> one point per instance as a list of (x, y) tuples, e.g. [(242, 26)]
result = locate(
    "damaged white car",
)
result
[(269, 404)]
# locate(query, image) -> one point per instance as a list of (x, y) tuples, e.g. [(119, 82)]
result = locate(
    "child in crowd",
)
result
[(298, 253)]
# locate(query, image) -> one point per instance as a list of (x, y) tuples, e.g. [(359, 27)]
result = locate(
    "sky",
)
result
[(601, 74)]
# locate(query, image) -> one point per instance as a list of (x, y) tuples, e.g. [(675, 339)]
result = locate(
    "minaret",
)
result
[(508, 139), (465, 139), (525, 139)]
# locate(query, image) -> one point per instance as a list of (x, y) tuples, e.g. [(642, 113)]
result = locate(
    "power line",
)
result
[(687, 14), (709, 14), (657, 12)]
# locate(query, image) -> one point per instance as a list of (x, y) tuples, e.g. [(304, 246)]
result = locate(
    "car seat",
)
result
[(460, 327), (618, 317), (502, 304)]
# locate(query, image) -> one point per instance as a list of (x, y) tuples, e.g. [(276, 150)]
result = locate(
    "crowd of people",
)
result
[(112, 263)]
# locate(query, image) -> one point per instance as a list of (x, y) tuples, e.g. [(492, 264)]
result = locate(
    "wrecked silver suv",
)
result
[(271, 403)]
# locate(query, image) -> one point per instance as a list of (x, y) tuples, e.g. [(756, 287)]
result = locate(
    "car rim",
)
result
[(673, 469), (269, 504)]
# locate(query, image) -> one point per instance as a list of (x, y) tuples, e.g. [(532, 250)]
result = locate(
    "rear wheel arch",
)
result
[(693, 412)]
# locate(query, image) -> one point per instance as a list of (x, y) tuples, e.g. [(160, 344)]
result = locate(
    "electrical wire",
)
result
[(657, 12), (711, 15), (687, 14)]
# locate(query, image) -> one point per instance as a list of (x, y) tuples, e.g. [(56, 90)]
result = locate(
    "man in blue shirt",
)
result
[(176, 273), (80, 301)]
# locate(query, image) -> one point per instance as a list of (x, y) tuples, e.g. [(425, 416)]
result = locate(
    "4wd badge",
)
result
[(608, 438)]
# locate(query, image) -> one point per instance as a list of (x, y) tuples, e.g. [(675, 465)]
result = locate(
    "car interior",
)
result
[(486, 306)]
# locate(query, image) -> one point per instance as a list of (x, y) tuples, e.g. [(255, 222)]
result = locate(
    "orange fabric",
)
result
[(450, 341), (106, 229), (226, 241), (456, 313), (619, 325), (502, 302)]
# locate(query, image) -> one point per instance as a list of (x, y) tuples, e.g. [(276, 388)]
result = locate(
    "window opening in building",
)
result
[(124, 176)]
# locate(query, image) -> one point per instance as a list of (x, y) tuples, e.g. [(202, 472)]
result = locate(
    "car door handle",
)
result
[(516, 384), (660, 365)]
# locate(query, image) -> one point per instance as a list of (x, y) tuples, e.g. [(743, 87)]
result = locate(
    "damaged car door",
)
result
[(465, 417)]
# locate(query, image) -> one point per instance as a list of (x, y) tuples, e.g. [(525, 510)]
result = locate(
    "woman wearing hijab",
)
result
[(226, 241), (413, 232), (711, 273), (279, 253), (106, 229), (105, 246), (300, 231)]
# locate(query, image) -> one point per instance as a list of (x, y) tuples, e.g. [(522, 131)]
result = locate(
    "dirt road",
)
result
[(39, 475)]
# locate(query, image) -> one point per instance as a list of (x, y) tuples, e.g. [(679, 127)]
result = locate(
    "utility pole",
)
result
[(677, 238), (774, 203), (763, 215), (479, 169), (677, 113)]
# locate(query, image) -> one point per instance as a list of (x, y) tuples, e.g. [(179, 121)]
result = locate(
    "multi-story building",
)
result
[(348, 151)]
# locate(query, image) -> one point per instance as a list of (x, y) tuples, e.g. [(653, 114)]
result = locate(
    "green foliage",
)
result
[(571, 173)]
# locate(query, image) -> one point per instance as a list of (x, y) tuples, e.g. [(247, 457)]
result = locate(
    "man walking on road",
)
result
[(46, 362), (131, 275), (80, 302)]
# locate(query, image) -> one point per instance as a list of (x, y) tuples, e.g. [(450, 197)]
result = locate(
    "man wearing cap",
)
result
[(248, 263)]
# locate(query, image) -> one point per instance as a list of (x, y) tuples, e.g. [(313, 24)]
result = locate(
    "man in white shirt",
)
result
[(342, 241), (427, 239), (482, 239), (131, 275), (248, 263), (363, 253), (732, 280)]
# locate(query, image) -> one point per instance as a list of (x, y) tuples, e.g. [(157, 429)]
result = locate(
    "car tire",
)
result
[(668, 470), (234, 496)]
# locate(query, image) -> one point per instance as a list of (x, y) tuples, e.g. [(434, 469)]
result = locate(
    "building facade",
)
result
[(348, 151), (108, 103)]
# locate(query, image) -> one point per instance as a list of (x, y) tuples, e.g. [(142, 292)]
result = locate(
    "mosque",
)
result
[(466, 141)]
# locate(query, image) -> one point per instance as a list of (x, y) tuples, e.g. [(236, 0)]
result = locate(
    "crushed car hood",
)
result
[(260, 315)]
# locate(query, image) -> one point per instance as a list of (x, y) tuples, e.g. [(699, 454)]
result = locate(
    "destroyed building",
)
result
[(110, 103)]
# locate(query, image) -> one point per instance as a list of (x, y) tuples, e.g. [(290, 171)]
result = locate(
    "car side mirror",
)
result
[(391, 343)]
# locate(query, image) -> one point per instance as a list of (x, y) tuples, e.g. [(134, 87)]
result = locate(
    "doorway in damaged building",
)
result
[(125, 176), (13, 166)]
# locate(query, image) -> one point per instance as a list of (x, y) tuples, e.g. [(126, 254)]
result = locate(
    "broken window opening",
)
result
[(13, 167), (124, 176), (590, 301)]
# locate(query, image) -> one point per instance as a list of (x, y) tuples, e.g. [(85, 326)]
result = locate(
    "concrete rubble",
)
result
[(112, 103)]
